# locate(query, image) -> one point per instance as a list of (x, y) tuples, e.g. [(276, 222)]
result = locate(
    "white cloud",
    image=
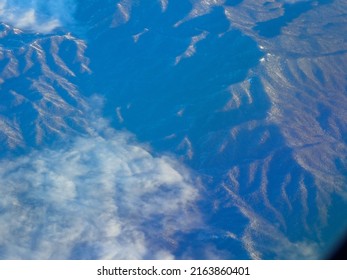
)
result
[(102, 197), (37, 15)]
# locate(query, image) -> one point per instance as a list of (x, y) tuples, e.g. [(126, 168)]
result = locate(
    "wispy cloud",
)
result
[(101, 197), (37, 15)]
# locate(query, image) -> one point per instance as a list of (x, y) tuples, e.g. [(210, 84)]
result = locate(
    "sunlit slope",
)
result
[(40, 98)]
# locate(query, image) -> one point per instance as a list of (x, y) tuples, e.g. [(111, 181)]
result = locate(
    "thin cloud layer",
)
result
[(101, 198), (37, 15)]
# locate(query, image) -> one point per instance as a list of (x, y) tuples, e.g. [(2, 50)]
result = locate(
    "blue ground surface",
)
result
[(172, 129)]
